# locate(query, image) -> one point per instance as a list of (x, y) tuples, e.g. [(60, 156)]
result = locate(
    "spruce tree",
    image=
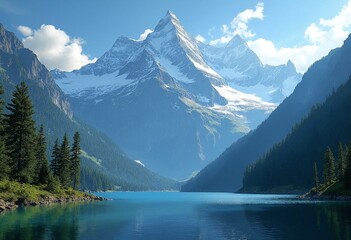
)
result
[(20, 132), (341, 161), (75, 160), (329, 167), (4, 159), (316, 179), (64, 166), (347, 176), (42, 169), (55, 158)]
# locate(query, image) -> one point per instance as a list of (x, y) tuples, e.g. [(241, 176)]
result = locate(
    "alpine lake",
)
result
[(175, 215)]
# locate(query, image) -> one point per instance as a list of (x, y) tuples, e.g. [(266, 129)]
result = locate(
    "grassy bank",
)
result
[(11, 191), (14, 194)]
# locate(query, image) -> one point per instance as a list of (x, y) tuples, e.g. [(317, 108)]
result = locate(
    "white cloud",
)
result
[(314, 34), (54, 48), (200, 38), (26, 31), (144, 35), (322, 37), (239, 25)]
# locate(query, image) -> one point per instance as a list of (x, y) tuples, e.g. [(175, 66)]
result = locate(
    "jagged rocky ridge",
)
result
[(162, 101)]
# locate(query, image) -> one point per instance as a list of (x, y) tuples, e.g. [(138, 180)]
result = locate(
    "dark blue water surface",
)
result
[(173, 215)]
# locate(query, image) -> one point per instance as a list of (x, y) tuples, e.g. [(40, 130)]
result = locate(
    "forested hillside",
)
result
[(320, 80), (289, 165)]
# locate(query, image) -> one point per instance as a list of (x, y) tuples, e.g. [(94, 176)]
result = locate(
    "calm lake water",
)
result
[(171, 215)]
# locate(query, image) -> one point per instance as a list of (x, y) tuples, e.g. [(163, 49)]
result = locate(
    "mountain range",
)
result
[(101, 158), (173, 103), (320, 81)]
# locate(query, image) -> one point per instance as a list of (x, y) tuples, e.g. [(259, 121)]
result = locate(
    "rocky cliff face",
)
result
[(12, 51)]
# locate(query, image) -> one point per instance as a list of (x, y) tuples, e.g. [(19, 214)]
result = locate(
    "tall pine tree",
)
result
[(42, 169), (55, 158), (347, 176), (64, 166), (341, 161), (20, 131), (4, 159), (329, 167), (75, 160), (316, 179)]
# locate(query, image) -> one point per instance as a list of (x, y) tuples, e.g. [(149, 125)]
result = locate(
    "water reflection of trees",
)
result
[(305, 221), (49, 222), (286, 221)]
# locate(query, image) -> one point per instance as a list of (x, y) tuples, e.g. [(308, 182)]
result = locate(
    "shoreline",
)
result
[(320, 196), (46, 201)]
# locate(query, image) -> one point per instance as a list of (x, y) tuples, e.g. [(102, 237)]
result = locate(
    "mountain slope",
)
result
[(53, 110), (161, 102), (226, 173), (290, 163), (243, 70)]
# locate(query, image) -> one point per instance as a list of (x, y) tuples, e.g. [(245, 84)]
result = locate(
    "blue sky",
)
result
[(277, 29)]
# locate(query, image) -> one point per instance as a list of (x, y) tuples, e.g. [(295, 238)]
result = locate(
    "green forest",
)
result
[(306, 157), (23, 149)]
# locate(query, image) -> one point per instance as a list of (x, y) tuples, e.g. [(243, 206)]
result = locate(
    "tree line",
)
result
[(335, 169), (23, 150), (288, 165)]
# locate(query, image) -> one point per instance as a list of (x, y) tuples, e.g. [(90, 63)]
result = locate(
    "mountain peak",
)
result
[(171, 15), (290, 65), (170, 20), (122, 40), (236, 41), (8, 41)]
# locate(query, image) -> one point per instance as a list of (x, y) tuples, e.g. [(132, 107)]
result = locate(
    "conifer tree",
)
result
[(341, 161), (4, 159), (75, 160), (42, 168), (316, 179), (64, 166), (20, 131), (55, 158), (348, 167), (329, 167)]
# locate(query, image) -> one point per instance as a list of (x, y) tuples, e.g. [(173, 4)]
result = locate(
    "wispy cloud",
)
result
[(144, 35), (54, 48), (321, 37), (200, 38), (239, 25), (26, 31)]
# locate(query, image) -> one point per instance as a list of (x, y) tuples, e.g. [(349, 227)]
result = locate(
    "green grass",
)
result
[(11, 191)]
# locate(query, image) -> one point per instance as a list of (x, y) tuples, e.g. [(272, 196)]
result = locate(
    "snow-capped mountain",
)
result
[(162, 101), (243, 70)]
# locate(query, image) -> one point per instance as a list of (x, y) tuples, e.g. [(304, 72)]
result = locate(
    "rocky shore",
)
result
[(4, 205), (319, 196)]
